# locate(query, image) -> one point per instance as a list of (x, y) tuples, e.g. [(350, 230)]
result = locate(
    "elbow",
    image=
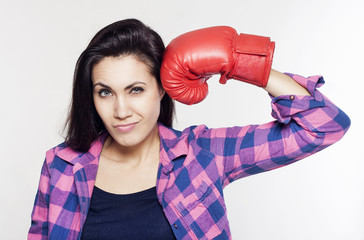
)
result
[(336, 129), (343, 120), (322, 135)]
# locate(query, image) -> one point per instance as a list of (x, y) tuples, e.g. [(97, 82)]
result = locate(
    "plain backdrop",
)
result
[(318, 198)]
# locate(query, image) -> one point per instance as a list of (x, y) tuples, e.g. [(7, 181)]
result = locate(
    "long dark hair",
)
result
[(125, 37)]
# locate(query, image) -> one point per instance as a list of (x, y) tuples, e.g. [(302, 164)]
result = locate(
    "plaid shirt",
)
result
[(195, 165)]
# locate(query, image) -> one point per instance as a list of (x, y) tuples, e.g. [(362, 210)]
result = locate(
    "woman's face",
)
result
[(127, 99)]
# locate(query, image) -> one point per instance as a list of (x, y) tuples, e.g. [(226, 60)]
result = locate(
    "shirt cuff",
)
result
[(284, 107)]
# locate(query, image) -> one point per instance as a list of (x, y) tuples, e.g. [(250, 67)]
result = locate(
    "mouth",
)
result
[(124, 128)]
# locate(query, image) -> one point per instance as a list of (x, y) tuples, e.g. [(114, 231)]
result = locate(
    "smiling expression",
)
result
[(127, 99)]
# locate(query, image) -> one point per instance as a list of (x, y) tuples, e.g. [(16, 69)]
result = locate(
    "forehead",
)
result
[(121, 70)]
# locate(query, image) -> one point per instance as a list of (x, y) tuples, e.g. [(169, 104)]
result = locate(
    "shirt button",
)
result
[(291, 97), (175, 226)]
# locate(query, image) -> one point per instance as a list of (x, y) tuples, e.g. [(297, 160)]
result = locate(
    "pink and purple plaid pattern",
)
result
[(196, 164)]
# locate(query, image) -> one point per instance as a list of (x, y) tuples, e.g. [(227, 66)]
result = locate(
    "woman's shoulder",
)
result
[(62, 151), (68, 154)]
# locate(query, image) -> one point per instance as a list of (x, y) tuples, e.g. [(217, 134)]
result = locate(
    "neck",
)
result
[(134, 155)]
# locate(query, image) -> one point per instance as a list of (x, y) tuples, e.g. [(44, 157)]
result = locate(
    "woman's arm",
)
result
[(304, 125), (282, 84), (306, 121)]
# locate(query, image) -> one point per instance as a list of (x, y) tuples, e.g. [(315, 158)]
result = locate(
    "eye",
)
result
[(104, 92), (137, 90)]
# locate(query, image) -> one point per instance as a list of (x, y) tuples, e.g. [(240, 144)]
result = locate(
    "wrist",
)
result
[(253, 59)]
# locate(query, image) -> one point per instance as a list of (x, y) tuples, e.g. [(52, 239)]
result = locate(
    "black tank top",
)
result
[(126, 216)]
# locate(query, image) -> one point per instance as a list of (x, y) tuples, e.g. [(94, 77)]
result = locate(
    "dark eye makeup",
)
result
[(104, 92), (137, 90)]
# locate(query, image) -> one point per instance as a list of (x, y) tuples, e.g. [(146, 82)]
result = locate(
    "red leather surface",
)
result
[(192, 58)]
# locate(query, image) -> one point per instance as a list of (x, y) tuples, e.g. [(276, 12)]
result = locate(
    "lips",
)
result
[(124, 128)]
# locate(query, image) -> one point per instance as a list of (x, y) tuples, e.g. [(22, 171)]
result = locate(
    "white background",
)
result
[(319, 198)]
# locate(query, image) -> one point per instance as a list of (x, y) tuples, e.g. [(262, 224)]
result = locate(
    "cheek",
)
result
[(103, 109), (149, 107)]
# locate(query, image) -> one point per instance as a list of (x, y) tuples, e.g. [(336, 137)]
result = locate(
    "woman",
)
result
[(124, 173)]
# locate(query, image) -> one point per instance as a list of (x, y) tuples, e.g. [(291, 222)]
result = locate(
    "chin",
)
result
[(133, 138)]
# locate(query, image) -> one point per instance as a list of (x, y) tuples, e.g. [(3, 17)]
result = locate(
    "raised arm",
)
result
[(306, 121)]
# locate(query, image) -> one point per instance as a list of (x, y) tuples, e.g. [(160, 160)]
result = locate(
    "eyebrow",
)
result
[(126, 88)]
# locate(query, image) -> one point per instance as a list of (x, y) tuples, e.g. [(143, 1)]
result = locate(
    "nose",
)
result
[(122, 108)]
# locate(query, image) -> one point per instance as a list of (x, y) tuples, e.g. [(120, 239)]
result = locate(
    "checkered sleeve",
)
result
[(304, 125), (39, 223)]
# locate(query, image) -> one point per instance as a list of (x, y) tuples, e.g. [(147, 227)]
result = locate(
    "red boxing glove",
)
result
[(193, 57)]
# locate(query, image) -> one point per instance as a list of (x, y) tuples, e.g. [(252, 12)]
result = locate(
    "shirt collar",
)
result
[(82, 158), (173, 144)]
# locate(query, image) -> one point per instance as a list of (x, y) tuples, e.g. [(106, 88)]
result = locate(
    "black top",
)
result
[(126, 216)]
